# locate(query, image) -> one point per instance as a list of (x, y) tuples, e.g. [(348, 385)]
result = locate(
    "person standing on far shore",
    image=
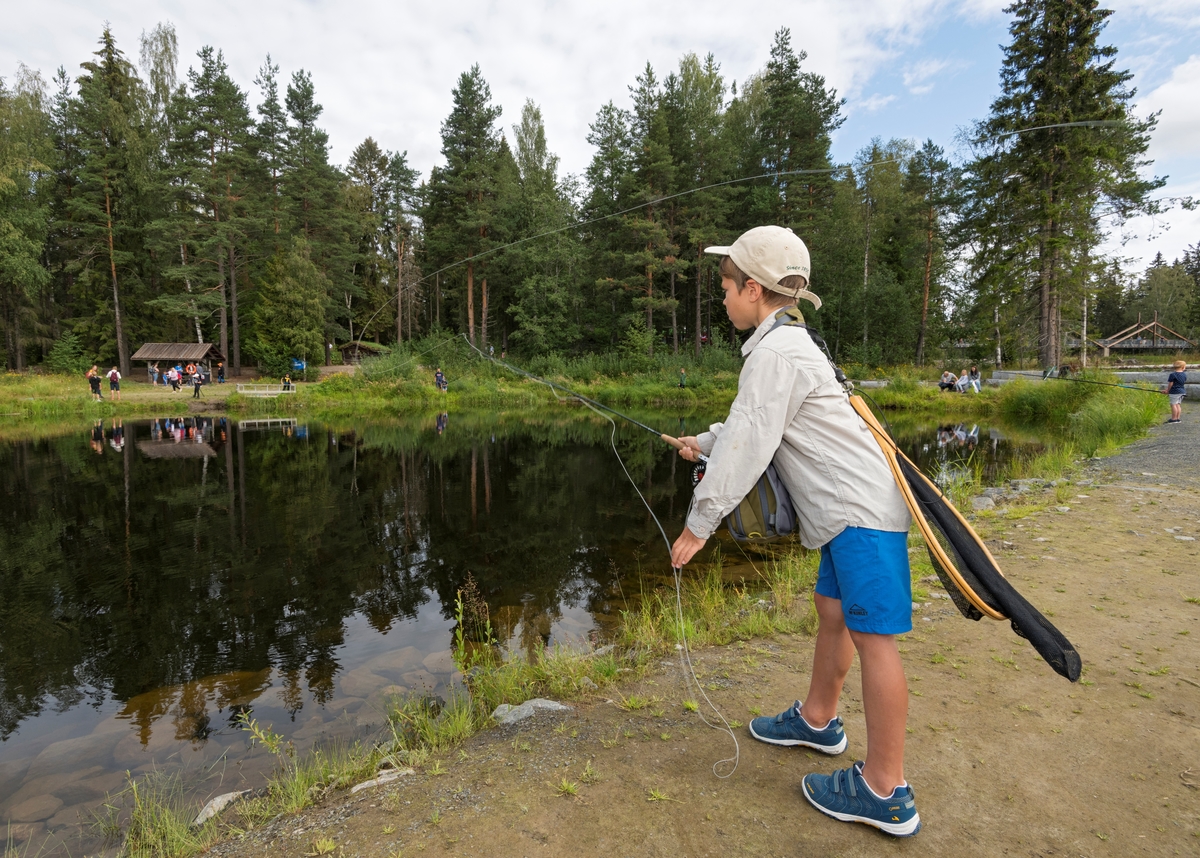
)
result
[(1175, 390), (114, 384), (93, 377)]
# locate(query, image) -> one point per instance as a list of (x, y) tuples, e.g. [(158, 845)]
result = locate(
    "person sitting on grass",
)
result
[(791, 410), (974, 378), (948, 381), (963, 381)]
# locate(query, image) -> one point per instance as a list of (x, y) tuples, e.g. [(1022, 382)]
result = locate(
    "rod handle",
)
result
[(674, 442)]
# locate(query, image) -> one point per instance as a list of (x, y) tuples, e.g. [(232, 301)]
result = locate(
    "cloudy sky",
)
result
[(907, 68)]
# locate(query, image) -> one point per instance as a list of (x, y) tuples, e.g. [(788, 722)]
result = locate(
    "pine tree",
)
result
[(462, 193), (547, 303), (25, 176), (112, 172), (312, 193), (929, 182), (290, 315), (1040, 186)]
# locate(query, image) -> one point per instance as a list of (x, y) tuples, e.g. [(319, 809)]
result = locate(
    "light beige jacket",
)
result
[(791, 410)]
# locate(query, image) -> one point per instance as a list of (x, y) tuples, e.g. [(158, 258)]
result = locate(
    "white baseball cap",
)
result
[(767, 254)]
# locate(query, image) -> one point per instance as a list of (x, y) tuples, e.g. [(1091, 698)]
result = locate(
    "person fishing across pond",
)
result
[(792, 411), (1175, 391)]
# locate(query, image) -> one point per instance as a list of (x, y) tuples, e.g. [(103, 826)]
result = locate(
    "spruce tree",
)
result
[(1039, 182), (25, 176), (462, 193), (103, 207)]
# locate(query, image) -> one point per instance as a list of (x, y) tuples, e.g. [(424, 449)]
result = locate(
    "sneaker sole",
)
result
[(824, 749), (896, 829)]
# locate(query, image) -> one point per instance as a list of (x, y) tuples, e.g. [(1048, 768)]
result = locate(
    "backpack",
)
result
[(113, 376), (767, 513)]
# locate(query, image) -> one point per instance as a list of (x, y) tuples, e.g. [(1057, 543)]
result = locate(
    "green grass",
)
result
[(715, 612)]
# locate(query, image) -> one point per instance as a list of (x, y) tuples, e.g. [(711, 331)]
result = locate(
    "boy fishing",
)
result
[(791, 410)]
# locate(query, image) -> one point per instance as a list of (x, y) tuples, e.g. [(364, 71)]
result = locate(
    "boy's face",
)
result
[(742, 307)]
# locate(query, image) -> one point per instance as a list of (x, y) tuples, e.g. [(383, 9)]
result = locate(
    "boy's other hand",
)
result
[(685, 546), (691, 449)]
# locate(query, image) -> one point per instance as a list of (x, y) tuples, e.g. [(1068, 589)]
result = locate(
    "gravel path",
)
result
[(1169, 455)]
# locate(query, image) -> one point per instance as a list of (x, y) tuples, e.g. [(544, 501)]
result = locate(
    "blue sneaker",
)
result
[(845, 795), (789, 728)]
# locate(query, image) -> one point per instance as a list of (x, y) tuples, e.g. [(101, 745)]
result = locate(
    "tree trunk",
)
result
[(996, 322), (699, 274), (866, 275), (399, 287), (122, 348), (1083, 332), (674, 316), (483, 320), (224, 315), (236, 363), (187, 283), (650, 305), (925, 289), (471, 302)]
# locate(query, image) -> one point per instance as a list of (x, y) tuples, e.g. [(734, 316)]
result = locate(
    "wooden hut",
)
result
[(169, 354), (354, 352)]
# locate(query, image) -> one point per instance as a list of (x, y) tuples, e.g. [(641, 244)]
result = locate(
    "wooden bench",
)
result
[(265, 389)]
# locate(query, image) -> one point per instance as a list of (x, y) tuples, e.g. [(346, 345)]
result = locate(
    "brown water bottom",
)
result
[(1006, 757)]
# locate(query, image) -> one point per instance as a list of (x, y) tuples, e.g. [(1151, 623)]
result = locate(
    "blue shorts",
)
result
[(867, 570)]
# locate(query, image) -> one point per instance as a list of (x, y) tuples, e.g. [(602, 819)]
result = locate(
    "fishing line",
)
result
[(1092, 123), (622, 212), (1103, 383), (685, 654)]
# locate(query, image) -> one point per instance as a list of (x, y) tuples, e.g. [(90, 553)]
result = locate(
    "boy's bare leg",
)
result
[(831, 661), (885, 704)]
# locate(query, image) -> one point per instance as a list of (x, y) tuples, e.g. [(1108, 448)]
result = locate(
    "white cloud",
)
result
[(387, 70), (917, 75), (1179, 125), (871, 103)]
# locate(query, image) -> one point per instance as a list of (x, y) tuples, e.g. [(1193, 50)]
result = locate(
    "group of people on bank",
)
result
[(969, 380)]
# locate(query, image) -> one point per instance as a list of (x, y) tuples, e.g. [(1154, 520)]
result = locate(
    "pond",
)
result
[(160, 577)]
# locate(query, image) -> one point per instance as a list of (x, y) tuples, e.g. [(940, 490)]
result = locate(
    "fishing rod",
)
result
[(1102, 383), (674, 442)]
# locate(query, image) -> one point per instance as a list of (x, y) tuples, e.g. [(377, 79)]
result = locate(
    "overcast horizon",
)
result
[(912, 69)]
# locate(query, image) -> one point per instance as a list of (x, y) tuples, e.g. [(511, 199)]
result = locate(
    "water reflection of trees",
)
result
[(126, 575)]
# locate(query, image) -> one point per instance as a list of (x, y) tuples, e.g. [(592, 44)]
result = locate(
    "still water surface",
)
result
[(160, 577)]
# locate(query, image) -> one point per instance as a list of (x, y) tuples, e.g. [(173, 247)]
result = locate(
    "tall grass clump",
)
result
[(716, 612), (155, 818), (1095, 418), (493, 679)]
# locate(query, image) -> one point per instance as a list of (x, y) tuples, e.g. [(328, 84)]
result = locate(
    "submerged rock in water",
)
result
[(506, 714)]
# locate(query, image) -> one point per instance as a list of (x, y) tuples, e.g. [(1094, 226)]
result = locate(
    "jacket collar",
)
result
[(765, 328)]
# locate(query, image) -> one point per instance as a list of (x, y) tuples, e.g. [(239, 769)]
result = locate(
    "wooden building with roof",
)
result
[(197, 353)]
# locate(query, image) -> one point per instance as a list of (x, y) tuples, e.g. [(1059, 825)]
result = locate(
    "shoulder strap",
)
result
[(791, 317)]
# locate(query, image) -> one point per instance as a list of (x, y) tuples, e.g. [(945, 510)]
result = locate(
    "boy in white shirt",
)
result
[(790, 409)]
